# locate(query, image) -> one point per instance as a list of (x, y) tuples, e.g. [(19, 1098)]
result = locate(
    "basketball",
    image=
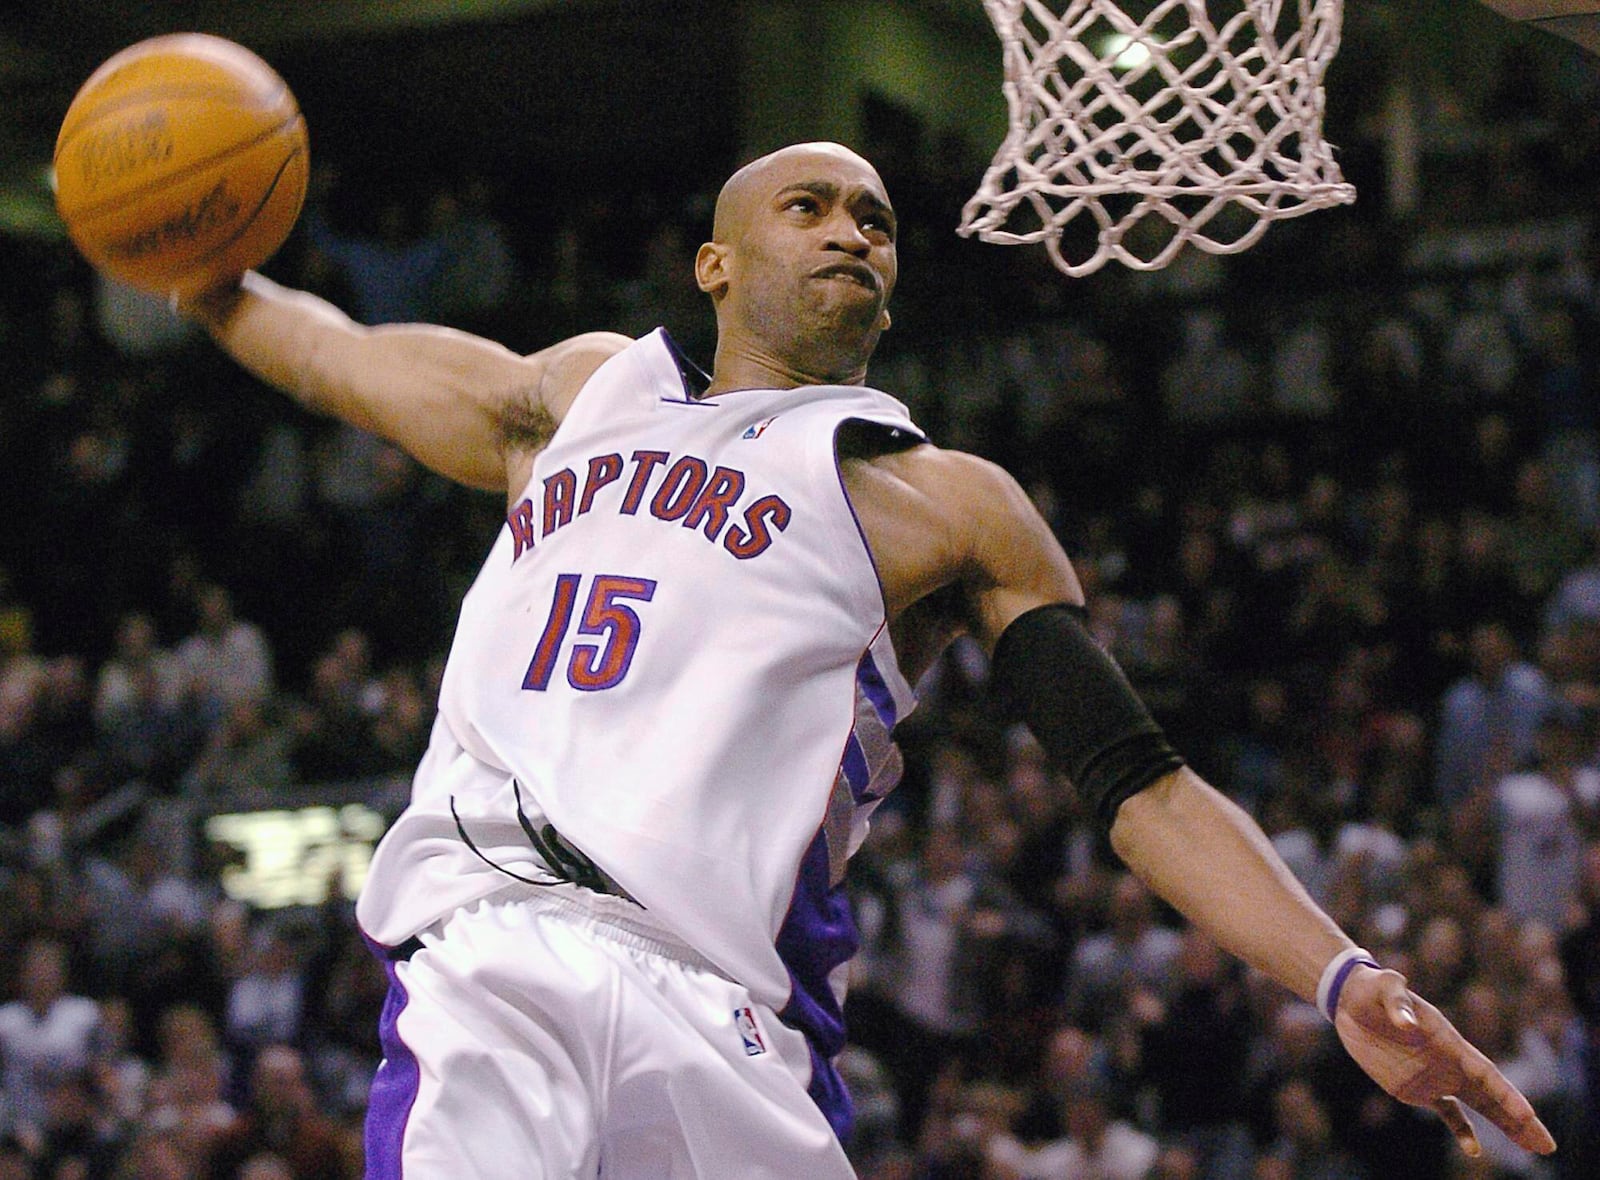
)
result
[(181, 162)]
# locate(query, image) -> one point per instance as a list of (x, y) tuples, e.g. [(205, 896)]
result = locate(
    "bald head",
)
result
[(747, 187), (800, 269)]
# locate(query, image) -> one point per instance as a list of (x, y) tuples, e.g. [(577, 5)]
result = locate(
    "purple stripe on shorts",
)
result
[(819, 934), (832, 1096), (394, 1088)]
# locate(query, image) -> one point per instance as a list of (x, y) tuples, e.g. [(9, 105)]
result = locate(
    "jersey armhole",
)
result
[(866, 438)]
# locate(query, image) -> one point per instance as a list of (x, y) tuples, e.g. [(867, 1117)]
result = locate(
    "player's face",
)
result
[(808, 260)]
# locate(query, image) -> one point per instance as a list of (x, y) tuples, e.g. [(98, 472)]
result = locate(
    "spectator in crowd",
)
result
[(282, 1120), (140, 900), (1543, 538), (1192, 1050), (1305, 1147), (333, 731), (477, 278), (225, 659), (1133, 952), (967, 1129), (1544, 815), (1096, 1143), (47, 1035), (188, 1104), (1073, 1059), (1576, 598), (947, 917), (81, 1133), (139, 669), (390, 266), (248, 757), (121, 1075), (1488, 718), (267, 1001)]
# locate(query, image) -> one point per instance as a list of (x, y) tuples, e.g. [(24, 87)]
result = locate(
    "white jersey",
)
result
[(677, 654)]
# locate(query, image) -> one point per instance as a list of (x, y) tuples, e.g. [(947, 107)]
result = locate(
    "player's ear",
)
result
[(711, 268), (883, 321)]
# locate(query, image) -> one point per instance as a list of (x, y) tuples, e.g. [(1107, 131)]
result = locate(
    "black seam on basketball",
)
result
[(156, 93), (89, 213), (254, 213)]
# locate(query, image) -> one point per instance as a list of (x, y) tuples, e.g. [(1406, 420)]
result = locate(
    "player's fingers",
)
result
[(1534, 1136), (1402, 1011), (1454, 1115), (1500, 1102)]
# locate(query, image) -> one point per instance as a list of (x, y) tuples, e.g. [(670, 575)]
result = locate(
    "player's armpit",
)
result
[(569, 365)]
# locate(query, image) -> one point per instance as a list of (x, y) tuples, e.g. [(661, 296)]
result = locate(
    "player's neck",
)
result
[(745, 364)]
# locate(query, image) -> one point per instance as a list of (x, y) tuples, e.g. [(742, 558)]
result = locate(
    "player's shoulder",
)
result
[(586, 348), (966, 502), (959, 478), (566, 366)]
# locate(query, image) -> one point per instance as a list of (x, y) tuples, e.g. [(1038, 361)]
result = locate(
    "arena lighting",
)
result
[(1130, 54), (296, 857)]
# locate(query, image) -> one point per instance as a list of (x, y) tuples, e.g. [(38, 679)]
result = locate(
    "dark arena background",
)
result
[(1335, 500)]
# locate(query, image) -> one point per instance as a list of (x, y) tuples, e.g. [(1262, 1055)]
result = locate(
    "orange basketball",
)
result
[(181, 162)]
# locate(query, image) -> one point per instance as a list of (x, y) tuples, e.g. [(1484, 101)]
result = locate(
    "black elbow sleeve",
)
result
[(1049, 672)]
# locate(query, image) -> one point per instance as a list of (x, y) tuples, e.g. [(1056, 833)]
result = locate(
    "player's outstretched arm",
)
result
[(440, 394), (1195, 848), (1211, 861)]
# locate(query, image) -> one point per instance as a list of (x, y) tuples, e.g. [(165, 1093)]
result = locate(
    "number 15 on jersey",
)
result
[(606, 616)]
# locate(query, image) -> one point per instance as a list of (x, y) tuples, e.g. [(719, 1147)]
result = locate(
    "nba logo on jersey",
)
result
[(756, 430), (746, 1020)]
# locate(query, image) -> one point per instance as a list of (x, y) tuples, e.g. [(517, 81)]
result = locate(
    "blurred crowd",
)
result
[(1336, 504)]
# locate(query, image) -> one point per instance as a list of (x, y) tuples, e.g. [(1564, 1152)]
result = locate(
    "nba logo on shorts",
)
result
[(746, 1020)]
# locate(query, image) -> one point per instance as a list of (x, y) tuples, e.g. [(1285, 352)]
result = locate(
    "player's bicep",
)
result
[(439, 394), (1014, 562)]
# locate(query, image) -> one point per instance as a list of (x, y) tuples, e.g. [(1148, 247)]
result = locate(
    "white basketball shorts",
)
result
[(558, 1034)]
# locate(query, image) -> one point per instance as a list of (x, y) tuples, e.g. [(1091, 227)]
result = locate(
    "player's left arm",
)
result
[(454, 401), (1194, 847)]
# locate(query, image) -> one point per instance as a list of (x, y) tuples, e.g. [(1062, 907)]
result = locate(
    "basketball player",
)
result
[(613, 912)]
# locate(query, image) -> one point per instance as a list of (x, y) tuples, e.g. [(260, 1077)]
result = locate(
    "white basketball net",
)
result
[(1166, 122)]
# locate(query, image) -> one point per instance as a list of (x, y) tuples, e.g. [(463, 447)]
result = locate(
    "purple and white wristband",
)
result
[(1334, 975)]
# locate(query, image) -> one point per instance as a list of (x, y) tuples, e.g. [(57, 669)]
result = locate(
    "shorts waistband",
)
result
[(617, 919)]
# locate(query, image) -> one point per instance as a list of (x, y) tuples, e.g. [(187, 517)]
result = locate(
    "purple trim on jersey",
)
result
[(394, 1087), (817, 936), (856, 771), (694, 378), (876, 690)]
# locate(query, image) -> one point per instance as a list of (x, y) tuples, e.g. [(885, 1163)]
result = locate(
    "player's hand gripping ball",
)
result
[(181, 163)]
